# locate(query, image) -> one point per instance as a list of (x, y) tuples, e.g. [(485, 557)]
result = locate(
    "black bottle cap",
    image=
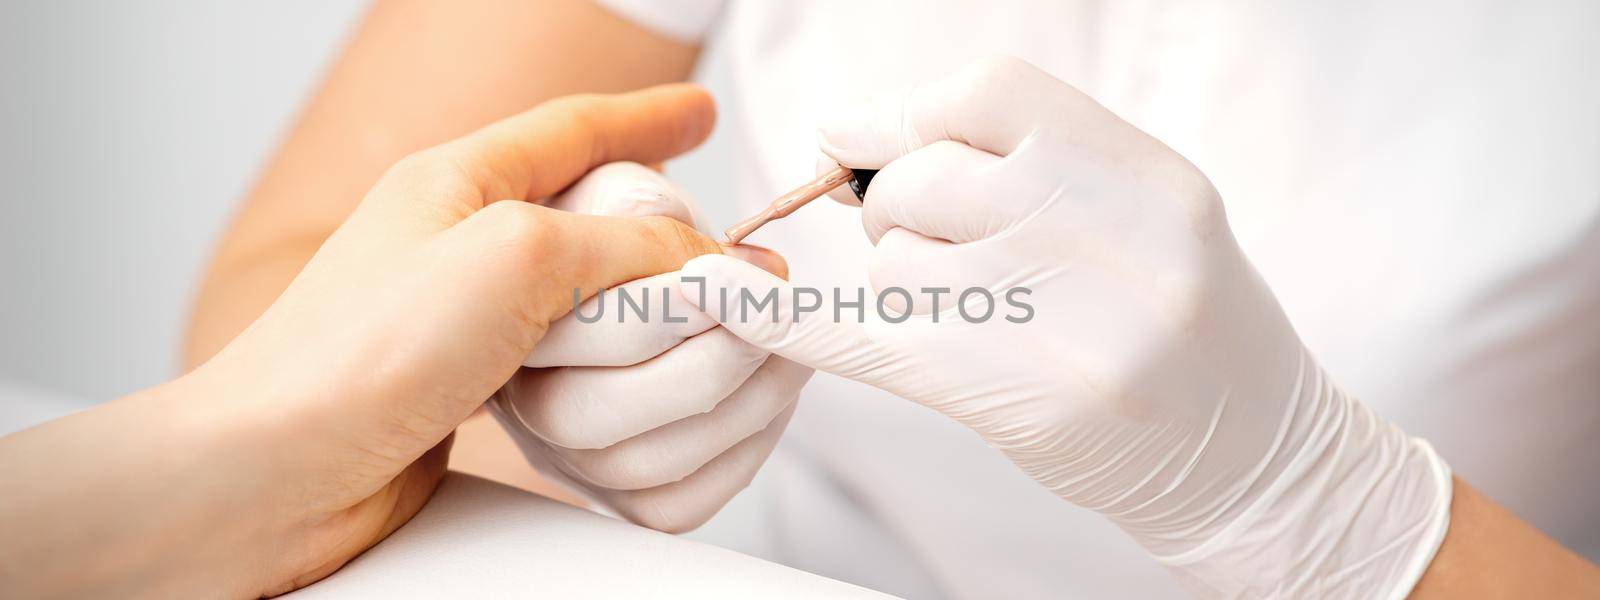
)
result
[(863, 178)]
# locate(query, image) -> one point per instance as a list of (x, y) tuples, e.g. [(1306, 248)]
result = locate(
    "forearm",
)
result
[(136, 496), (415, 74), (1490, 553)]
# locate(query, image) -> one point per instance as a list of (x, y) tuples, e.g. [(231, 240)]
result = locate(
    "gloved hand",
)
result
[(1153, 377), (659, 421)]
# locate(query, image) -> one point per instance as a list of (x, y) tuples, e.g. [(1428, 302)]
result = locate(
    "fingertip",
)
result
[(699, 111), (658, 123), (695, 92)]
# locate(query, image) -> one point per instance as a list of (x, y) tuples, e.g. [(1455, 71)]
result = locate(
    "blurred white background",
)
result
[(128, 132)]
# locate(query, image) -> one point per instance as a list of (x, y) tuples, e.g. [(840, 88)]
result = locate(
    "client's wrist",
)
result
[(263, 447), (198, 528)]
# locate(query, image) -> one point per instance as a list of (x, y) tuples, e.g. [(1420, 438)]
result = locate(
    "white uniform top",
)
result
[(1418, 181)]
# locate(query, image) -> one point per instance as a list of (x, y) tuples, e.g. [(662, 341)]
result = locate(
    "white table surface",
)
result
[(478, 538)]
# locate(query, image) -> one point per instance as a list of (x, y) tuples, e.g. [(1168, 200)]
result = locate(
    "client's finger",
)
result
[(633, 322), (550, 258), (535, 154), (606, 336), (622, 326)]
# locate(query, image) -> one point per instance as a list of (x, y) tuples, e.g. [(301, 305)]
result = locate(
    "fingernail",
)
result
[(768, 260)]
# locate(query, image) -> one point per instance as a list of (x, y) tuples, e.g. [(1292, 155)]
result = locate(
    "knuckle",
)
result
[(420, 161), (426, 169), (525, 227), (1185, 294), (1201, 200), (1187, 192), (583, 111)]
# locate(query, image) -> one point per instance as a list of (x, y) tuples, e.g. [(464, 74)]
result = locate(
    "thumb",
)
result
[(535, 154), (822, 331)]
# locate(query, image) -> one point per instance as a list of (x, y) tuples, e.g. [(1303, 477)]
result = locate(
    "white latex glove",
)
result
[(661, 422), (1157, 382)]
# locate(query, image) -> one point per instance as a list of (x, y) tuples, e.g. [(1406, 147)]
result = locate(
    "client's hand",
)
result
[(324, 426), (661, 418)]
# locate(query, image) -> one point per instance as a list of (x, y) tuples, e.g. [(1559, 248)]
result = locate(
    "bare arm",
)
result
[(415, 74), (1490, 553)]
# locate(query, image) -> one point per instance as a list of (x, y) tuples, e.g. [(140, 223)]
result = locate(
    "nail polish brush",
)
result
[(792, 201)]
